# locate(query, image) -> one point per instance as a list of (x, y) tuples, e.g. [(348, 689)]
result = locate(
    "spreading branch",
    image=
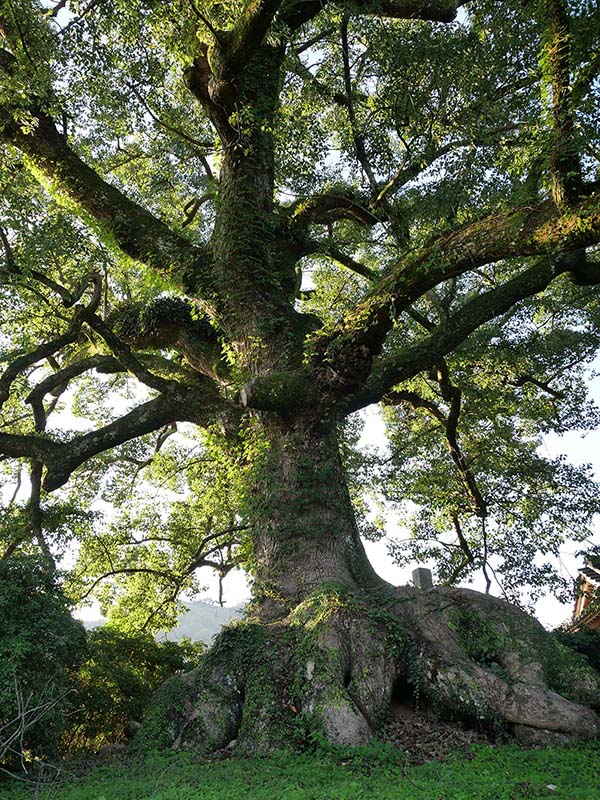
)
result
[(328, 248), (200, 405), (235, 48), (328, 207), (133, 229), (565, 169), (445, 338), (41, 352), (533, 230), (296, 12), (58, 381), (449, 420)]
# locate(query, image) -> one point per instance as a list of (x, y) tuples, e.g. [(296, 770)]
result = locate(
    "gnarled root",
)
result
[(334, 667)]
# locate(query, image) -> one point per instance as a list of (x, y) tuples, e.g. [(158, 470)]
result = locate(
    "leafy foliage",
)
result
[(531, 502), (115, 682), (40, 646), (586, 642)]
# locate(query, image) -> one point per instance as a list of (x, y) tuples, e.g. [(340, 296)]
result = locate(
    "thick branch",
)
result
[(176, 403), (15, 445), (530, 230), (335, 381), (445, 338), (215, 96), (565, 169), (297, 12), (328, 207), (232, 55), (133, 229), (170, 322), (171, 406)]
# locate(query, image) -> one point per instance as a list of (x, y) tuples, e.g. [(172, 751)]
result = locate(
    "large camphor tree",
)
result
[(258, 217)]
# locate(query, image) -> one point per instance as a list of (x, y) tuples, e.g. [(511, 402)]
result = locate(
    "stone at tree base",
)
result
[(333, 667), (422, 578), (496, 662), (343, 724)]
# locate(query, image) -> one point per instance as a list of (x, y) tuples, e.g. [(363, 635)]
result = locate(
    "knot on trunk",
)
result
[(345, 368)]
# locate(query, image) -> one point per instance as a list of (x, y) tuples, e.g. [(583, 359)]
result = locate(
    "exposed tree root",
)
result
[(337, 665)]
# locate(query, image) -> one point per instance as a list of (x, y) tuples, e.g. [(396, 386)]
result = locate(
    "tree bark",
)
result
[(337, 666), (305, 529)]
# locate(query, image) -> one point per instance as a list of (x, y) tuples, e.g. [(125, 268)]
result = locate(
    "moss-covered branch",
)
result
[(128, 226), (296, 12), (446, 337), (322, 209), (238, 45), (171, 322), (191, 404), (565, 169), (542, 229)]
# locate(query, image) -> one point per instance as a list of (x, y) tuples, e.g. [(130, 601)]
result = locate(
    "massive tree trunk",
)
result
[(305, 529)]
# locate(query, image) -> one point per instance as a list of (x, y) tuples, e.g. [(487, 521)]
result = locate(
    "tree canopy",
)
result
[(227, 227)]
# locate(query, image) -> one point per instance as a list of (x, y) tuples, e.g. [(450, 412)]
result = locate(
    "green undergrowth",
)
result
[(485, 773)]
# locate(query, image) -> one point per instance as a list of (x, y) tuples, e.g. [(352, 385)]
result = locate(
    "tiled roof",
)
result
[(591, 572)]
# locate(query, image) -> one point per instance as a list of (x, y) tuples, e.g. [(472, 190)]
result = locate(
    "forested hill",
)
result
[(200, 623)]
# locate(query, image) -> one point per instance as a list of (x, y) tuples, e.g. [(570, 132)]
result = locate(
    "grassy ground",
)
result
[(486, 773)]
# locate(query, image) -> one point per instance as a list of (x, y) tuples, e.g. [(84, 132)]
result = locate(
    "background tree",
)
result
[(258, 218)]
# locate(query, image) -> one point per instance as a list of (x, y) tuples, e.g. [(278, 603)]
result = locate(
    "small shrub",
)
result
[(586, 642), (116, 682)]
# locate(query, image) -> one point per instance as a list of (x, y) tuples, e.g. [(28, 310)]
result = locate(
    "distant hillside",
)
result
[(200, 623)]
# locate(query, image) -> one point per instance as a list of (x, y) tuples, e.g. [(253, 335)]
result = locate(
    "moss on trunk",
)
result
[(331, 669)]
